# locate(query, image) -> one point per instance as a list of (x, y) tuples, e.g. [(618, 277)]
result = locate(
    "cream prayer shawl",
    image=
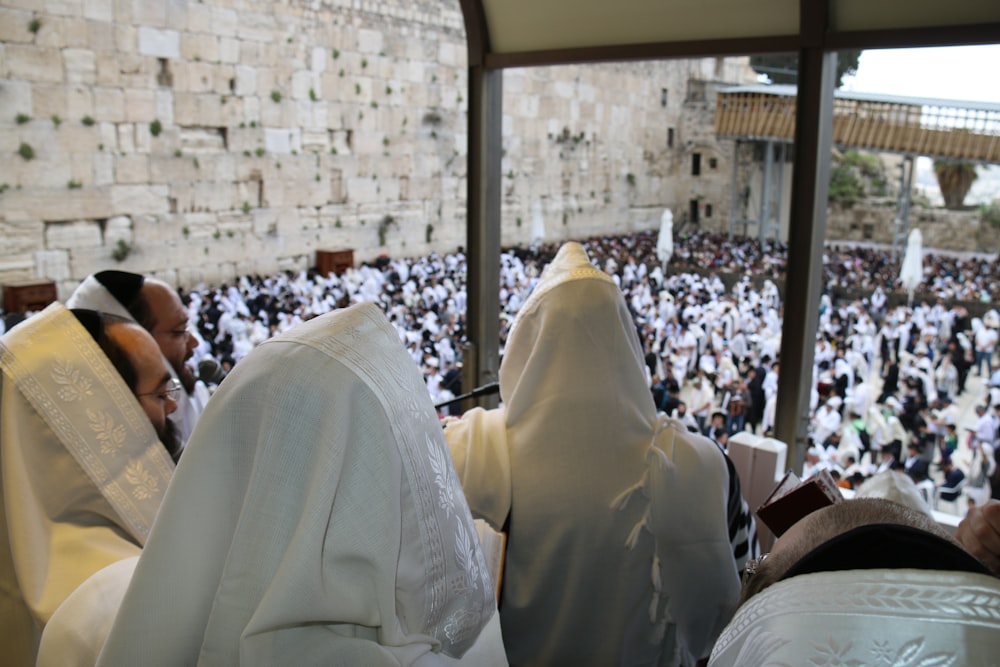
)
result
[(618, 550), (315, 519), (867, 618), (82, 472)]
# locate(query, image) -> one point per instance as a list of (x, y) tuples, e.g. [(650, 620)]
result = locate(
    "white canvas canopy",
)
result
[(911, 272), (665, 241)]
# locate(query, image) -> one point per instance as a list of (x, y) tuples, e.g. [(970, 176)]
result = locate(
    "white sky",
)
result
[(968, 73), (958, 73)]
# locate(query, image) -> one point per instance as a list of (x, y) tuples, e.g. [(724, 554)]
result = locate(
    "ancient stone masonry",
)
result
[(202, 140)]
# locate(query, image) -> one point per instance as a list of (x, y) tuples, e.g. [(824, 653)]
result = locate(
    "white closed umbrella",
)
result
[(911, 273), (537, 226), (665, 241)]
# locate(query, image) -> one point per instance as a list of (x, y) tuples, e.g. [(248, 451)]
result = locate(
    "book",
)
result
[(792, 499), (494, 545)]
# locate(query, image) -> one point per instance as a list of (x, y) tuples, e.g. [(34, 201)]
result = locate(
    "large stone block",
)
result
[(132, 168), (22, 236), (159, 43), (75, 234), (34, 64), (362, 190), (140, 105), (109, 104), (369, 41), (52, 264), (138, 199), (79, 103), (16, 97), (282, 140), (14, 26), (148, 12), (57, 203), (48, 100), (229, 50), (81, 66), (98, 11)]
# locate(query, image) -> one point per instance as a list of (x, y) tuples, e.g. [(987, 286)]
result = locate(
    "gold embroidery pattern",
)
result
[(111, 436), (72, 385), (146, 485)]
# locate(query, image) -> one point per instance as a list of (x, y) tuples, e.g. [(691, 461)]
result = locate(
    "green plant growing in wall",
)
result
[(312, 95), (230, 233), (246, 207), (385, 141), (22, 118), (364, 63), (340, 72), (630, 179), (156, 127), (87, 120), (197, 165), (186, 231), (428, 232), (276, 95), (121, 251), (26, 151), (74, 185), (34, 25), (374, 104), (253, 123), (336, 53), (383, 228), (216, 235), (338, 224), (388, 90), (518, 221), (357, 89), (56, 120)]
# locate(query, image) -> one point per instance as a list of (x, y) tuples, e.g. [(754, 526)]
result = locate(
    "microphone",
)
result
[(485, 390)]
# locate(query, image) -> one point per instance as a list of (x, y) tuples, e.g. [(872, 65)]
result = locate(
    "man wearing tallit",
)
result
[(158, 309), (314, 519), (618, 547), (82, 469)]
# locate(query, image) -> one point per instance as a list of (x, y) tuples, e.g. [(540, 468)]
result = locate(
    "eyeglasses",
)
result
[(751, 569), (172, 390)]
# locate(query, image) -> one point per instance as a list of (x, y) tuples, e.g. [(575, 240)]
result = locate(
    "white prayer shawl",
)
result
[(315, 519), (618, 551), (867, 617), (82, 473)]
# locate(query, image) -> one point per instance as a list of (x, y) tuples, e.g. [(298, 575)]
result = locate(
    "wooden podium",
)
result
[(760, 463), (334, 261), (20, 297)]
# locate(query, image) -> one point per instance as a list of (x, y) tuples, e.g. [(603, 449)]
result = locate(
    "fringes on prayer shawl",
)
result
[(621, 501)]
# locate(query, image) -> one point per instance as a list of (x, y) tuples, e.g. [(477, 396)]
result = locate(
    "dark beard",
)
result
[(168, 437), (187, 378)]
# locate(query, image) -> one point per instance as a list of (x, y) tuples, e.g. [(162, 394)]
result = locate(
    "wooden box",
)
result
[(21, 297), (334, 261)]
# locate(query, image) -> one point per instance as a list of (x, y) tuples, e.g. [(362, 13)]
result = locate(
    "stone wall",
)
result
[(198, 141), (872, 221)]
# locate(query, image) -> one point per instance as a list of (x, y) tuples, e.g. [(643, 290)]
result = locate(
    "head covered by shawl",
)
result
[(82, 471), (315, 518), (865, 581), (109, 292), (594, 481), (891, 616)]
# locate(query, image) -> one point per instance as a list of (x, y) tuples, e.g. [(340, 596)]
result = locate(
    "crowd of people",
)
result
[(319, 511), (885, 376)]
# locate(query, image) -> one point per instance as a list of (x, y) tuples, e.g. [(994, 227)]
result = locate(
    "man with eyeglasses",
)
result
[(85, 459), (157, 308)]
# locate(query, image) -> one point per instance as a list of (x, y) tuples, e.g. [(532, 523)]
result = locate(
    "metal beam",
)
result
[(810, 183), (482, 352)]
